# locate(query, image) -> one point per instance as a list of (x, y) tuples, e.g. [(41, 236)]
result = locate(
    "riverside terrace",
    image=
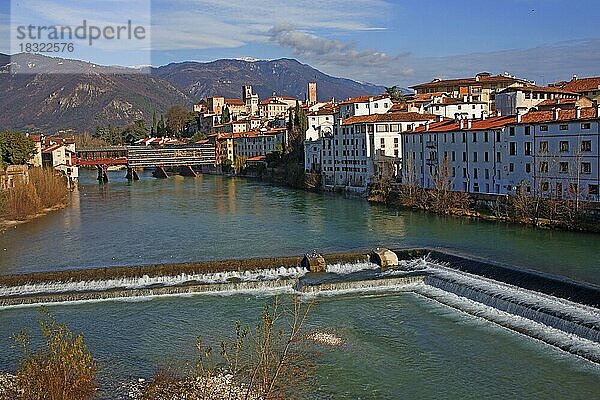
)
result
[(183, 157), (557, 311)]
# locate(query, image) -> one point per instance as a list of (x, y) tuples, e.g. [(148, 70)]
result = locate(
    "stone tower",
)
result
[(311, 96)]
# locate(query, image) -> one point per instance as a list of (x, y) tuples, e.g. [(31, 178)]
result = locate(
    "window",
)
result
[(453, 156), (464, 172), (475, 156), (464, 156), (498, 136), (513, 148), (586, 145), (563, 167), (527, 130), (527, 148), (563, 146), (511, 167), (544, 147), (475, 173), (593, 190), (586, 168), (544, 167), (474, 137), (585, 125), (511, 131), (564, 127), (528, 168), (543, 128), (486, 156), (545, 186), (487, 173), (485, 137)]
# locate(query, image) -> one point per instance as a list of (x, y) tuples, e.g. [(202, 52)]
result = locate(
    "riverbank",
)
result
[(44, 191), (7, 224), (524, 210)]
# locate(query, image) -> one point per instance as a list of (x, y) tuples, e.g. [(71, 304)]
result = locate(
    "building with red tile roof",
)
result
[(483, 87)]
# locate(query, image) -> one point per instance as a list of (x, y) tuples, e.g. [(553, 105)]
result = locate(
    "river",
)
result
[(396, 345), (213, 217)]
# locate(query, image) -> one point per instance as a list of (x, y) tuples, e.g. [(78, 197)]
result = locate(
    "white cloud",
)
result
[(327, 51), (216, 24)]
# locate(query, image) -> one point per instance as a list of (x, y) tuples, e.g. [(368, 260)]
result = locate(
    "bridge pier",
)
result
[(102, 173), (132, 174), (187, 170), (159, 172)]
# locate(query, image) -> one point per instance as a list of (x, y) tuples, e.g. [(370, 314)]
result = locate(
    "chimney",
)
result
[(520, 112), (465, 98), (577, 112), (483, 115), (469, 124), (456, 117), (597, 106), (461, 124), (427, 125), (574, 78), (438, 118), (555, 113)]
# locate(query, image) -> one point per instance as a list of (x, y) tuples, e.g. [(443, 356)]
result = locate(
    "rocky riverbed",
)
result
[(8, 387), (218, 387)]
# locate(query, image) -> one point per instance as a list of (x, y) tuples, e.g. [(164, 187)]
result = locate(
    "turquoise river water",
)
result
[(397, 345)]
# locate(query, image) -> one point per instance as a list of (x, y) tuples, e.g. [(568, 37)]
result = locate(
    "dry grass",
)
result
[(269, 361), (61, 369), (46, 189), (51, 186)]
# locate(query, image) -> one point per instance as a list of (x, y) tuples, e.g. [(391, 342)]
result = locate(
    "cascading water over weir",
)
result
[(560, 312)]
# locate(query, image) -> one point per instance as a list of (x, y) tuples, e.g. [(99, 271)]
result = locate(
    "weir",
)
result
[(500, 294)]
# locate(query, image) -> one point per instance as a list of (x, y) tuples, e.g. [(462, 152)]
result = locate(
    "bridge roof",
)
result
[(96, 149)]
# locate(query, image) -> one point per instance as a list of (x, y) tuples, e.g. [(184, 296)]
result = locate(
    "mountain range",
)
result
[(79, 96)]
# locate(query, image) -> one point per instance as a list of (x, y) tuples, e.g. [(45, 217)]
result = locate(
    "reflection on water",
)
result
[(213, 217)]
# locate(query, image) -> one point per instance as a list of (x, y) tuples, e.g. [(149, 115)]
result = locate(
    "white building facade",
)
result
[(469, 153)]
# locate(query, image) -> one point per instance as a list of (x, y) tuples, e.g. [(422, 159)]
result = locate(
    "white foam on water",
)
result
[(571, 343), (255, 291), (147, 281), (562, 314), (348, 268)]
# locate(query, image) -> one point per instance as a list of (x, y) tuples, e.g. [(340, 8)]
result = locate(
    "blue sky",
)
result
[(381, 41)]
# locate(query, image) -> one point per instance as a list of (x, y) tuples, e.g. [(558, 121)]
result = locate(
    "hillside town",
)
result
[(496, 134), (488, 134)]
